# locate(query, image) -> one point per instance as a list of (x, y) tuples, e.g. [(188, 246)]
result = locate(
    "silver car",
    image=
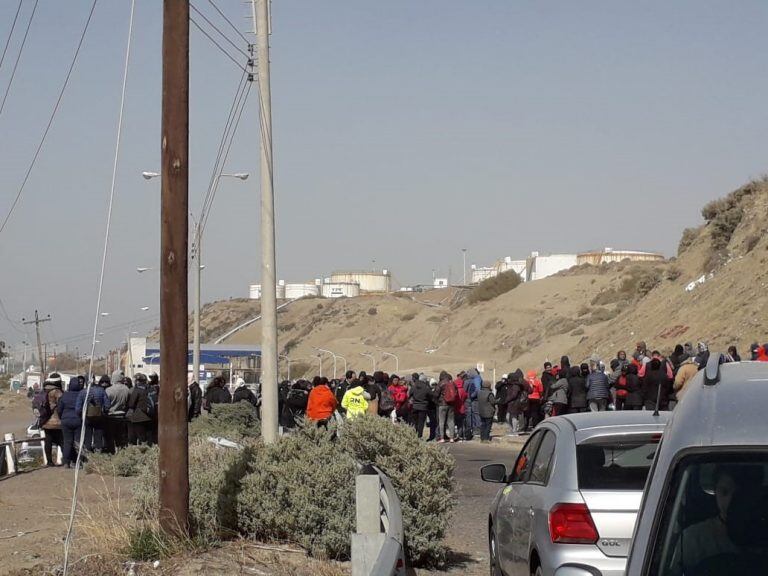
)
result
[(569, 504), (705, 509)]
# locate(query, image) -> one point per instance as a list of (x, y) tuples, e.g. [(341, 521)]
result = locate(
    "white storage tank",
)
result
[(255, 291), (373, 281), (340, 290), (480, 273), (297, 290)]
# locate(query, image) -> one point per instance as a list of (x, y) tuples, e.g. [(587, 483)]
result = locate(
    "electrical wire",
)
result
[(215, 43), (18, 56), (73, 509), (228, 21), (212, 25), (115, 328), (50, 120), (10, 34), (224, 160), (14, 325)]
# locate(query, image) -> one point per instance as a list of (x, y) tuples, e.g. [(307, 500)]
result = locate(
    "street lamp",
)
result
[(334, 359), (371, 357), (288, 361), (345, 363), (397, 360), (196, 255)]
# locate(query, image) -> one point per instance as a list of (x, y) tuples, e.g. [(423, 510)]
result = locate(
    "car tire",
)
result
[(493, 553)]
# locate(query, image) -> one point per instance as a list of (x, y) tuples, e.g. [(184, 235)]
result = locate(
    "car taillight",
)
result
[(572, 524)]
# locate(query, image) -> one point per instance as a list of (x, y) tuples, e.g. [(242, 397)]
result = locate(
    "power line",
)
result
[(14, 325), (10, 34), (50, 120), (228, 21), (212, 25), (18, 56), (226, 155), (219, 46)]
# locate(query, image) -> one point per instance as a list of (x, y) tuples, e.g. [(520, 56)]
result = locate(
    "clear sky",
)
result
[(403, 131)]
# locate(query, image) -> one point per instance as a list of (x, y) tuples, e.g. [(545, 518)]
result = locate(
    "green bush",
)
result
[(422, 475), (688, 238), (232, 421), (493, 287), (128, 461), (215, 474), (301, 489)]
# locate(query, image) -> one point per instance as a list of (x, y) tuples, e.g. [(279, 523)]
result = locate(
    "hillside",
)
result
[(582, 311)]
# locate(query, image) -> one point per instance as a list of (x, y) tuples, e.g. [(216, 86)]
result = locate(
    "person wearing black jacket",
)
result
[(501, 399), (420, 395), (547, 379), (216, 394), (139, 421), (656, 385), (634, 399), (577, 388), (195, 403), (244, 394), (517, 400)]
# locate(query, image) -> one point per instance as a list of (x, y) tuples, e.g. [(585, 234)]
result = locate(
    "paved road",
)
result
[(468, 534)]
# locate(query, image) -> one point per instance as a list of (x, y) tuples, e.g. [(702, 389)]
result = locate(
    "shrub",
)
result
[(128, 461), (215, 474), (232, 421), (688, 237), (422, 475), (493, 287), (751, 242), (723, 226), (301, 489), (673, 273), (372, 311)]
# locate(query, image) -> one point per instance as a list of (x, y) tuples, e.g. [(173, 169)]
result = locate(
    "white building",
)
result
[(543, 266), (440, 283), (480, 273), (507, 264)]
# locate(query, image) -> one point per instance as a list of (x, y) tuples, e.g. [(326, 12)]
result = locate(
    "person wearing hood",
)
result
[(52, 424), (356, 400), (216, 393), (486, 403), (517, 401), (501, 399), (194, 398), (702, 356), (138, 413), (558, 394), (419, 395), (243, 393), (634, 399), (565, 367), (93, 405), (533, 413), (732, 355), (598, 389), (117, 427), (677, 357), (577, 388), (70, 420), (656, 384)]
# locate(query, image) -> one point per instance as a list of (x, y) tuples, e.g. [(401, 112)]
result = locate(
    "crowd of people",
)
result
[(119, 411)]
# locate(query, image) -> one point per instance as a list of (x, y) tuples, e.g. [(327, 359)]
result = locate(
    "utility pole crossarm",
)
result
[(43, 361)]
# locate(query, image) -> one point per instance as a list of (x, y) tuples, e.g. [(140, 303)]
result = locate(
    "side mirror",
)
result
[(494, 473)]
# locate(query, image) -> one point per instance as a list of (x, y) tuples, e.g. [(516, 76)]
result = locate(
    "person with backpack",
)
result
[(447, 395), (420, 397), (486, 402), (94, 410), (356, 400), (45, 404), (387, 404), (70, 420), (138, 414)]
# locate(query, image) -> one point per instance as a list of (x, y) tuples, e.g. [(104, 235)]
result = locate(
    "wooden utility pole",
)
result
[(37, 321), (174, 230)]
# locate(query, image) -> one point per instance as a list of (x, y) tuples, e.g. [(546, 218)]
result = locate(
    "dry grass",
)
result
[(493, 287)]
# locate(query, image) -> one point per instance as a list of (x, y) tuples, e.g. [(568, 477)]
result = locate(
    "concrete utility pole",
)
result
[(269, 424), (174, 232), (197, 262), (43, 364)]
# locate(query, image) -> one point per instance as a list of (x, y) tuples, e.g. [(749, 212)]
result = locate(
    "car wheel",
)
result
[(493, 550)]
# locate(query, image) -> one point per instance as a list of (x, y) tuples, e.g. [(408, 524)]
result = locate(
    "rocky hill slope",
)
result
[(580, 312)]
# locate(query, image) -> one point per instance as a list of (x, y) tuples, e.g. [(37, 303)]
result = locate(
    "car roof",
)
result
[(590, 425), (727, 412)]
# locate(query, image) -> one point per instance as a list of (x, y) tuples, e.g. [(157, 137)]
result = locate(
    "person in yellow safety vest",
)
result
[(355, 400)]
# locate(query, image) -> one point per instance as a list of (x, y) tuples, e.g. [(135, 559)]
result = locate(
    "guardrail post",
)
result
[(10, 454), (367, 542)]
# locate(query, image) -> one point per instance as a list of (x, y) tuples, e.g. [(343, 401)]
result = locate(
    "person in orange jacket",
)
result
[(321, 403), (533, 412)]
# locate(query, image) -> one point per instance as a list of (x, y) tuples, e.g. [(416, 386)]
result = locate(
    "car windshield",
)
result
[(715, 518), (613, 464)]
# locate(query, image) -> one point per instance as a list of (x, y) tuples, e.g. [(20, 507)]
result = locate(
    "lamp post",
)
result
[(287, 361), (334, 359), (397, 360), (345, 363), (196, 256), (371, 357), (464, 264)]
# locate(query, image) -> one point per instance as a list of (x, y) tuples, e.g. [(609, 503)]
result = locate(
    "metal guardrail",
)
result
[(378, 546)]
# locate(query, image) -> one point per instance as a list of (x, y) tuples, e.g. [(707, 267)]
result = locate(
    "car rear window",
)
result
[(615, 464)]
